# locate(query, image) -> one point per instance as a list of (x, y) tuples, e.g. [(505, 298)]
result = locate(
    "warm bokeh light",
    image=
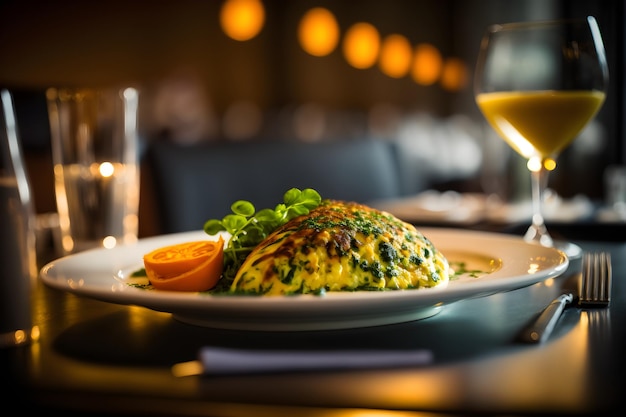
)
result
[(427, 64), (106, 169), (68, 243), (361, 44), (549, 164), (242, 19), (109, 242), (534, 164), (454, 76), (395, 56), (318, 32)]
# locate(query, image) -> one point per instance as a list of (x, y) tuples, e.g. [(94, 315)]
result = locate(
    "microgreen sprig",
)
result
[(248, 227)]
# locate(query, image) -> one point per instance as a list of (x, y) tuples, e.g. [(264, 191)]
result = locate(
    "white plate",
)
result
[(506, 262)]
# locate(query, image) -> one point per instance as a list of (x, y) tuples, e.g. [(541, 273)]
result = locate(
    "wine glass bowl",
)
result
[(538, 84)]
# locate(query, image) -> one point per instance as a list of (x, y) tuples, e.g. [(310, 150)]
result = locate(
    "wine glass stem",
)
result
[(537, 232)]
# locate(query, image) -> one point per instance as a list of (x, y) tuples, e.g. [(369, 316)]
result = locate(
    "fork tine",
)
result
[(596, 278), (608, 277), (586, 285)]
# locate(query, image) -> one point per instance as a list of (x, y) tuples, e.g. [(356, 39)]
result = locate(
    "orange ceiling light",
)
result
[(318, 32), (427, 64), (454, 76), (361, 45), (395, 56), (242, 20)]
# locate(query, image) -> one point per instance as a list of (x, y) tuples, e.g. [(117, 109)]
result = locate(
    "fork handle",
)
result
[(542, 327)]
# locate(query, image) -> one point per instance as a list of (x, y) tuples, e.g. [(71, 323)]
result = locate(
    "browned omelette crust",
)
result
[(342, 246)]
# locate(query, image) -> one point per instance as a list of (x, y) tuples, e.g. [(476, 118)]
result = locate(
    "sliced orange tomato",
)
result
[(188, 266)]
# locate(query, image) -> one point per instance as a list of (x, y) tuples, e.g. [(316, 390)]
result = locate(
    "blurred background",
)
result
[(252, 71)]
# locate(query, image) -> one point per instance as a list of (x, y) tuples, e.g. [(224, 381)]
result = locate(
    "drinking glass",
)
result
[(96, 167), (18, 260), (538, 84)]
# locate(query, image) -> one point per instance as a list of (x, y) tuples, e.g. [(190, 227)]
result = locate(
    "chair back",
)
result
[(195, 183)]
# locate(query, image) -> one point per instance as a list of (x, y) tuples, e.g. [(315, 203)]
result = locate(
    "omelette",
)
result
[(342, 246)]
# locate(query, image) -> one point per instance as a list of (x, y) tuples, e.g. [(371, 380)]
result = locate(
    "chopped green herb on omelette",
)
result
[(341, 246)]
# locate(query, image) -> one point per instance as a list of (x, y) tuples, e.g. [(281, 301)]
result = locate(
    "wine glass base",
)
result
[(537, 233), (572, 250)]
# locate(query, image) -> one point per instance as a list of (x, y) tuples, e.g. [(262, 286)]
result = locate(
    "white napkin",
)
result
[(222, 361)]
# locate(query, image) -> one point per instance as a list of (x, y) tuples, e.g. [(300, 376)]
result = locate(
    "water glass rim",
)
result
[(498, 27)]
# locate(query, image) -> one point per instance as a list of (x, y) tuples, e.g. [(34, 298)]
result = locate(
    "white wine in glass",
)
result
[(538, 84)]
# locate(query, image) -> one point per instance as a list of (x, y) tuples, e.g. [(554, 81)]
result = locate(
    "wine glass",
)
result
[(538, 84)]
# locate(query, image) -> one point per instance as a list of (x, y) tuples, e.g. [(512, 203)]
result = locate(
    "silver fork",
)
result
[(594, 291)]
